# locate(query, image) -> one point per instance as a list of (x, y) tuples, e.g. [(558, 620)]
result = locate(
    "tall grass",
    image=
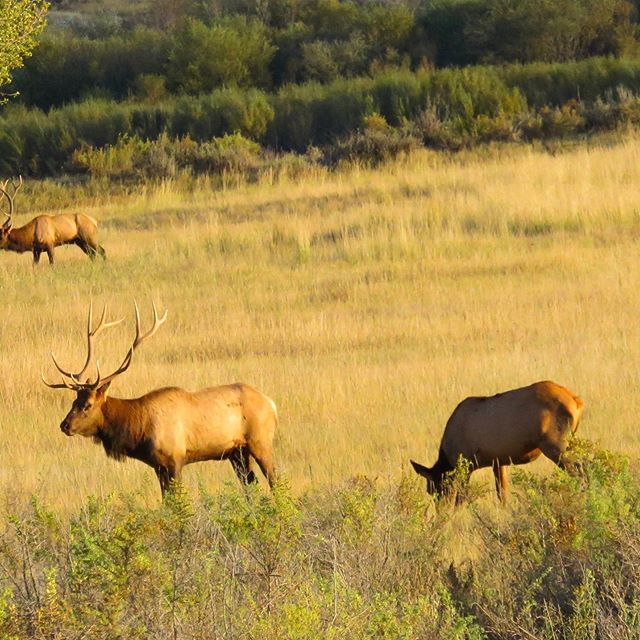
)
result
[(366, 303)]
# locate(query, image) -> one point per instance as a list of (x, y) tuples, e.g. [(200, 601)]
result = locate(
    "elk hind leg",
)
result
[(242, 466), (501, 475)]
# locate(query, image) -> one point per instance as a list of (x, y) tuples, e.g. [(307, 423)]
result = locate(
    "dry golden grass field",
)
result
[(366, 303)]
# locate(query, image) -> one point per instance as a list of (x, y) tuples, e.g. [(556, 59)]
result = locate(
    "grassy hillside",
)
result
[(366, 303)]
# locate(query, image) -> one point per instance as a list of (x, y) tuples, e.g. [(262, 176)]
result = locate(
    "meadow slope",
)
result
[(366, 303)]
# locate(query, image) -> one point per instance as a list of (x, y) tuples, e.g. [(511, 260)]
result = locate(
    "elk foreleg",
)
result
[(501, 475), (91, 249), (242, 466), (36, 256), (49, 251), (167, 476)]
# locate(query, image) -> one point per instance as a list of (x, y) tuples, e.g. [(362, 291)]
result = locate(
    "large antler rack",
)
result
[(15, 186), (74, 380)]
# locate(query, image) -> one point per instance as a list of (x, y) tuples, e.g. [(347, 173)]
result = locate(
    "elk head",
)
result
[(433, 476), (86, 416), (8, 224)]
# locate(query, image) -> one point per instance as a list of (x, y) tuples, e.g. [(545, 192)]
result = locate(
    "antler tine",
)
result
[(91, 335), (157, 323), (3, 190), (137, 341), (77, 381), (58, 385), (68, 374), (96, 384), (9, 200)]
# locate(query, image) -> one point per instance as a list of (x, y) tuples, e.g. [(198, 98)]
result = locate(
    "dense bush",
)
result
[(67, 69), (32, 142), (202, 45), (366, 560), (133, 158), (375, 144), (229, 52), (556, 84), (488, 31), (449, 109)]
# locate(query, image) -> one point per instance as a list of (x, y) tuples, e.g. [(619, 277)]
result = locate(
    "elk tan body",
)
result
[(513, 427), (169, 428), (45, 232)]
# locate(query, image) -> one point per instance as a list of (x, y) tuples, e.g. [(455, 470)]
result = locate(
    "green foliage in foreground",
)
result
[(363, 561)]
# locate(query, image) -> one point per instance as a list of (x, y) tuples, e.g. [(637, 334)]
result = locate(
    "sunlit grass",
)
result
[(367, 304)]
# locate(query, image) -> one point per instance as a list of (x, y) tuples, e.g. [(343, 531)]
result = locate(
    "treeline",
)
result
[(196, 46), (366, 119)]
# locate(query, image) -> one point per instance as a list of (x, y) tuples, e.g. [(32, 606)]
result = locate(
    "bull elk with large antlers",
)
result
[(169, 428), (45, 232), (513, 427)]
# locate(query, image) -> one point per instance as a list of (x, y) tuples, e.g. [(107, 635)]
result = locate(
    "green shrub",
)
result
[(562, 561), (230, 52), (376, 143), (448, 109), (555, 84), (134, 159)]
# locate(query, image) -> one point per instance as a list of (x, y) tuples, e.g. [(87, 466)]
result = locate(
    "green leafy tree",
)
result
[(234, 51), (21, 21), (497, 31)]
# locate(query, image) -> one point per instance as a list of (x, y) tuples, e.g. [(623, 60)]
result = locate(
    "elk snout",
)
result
[(65, 427)]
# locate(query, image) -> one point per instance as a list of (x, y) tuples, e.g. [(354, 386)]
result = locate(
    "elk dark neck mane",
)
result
[(124, 431), (442, 465), (20, 239)]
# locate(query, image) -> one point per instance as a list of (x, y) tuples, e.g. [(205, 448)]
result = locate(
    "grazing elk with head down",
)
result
[(513, 427), (45, 232), (169, 428)]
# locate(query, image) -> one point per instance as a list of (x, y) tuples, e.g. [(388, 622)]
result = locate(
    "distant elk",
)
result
[(169, 428), (513, 427), (45, 232)]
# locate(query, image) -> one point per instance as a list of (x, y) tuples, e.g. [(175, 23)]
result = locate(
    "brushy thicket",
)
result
[(447, 109), (118, 49), (362, 561)]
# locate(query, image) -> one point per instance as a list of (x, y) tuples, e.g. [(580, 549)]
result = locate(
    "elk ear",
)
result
[(102, 391), (421, 470)]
